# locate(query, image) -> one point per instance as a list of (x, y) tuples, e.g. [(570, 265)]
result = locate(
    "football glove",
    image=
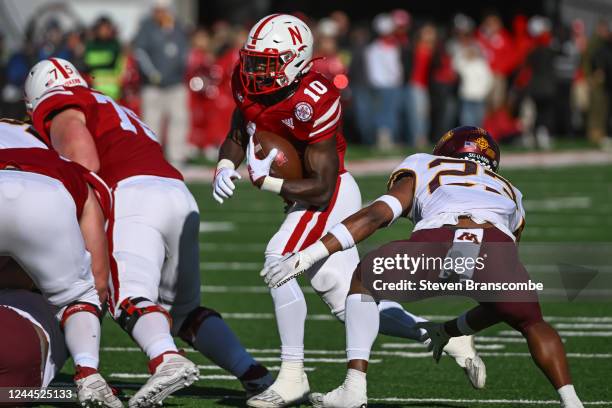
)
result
[(223, 186), (437, 336), (259, 169), (280, 271)]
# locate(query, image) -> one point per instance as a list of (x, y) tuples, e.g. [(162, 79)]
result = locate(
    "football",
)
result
[(288, 163)]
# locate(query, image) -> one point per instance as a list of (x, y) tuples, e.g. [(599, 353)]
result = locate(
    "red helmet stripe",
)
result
[(59, 68), (261, 26)]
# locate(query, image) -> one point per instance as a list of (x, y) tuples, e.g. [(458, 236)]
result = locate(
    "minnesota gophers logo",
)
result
[(466, 236), (482, 143), (303, 111)]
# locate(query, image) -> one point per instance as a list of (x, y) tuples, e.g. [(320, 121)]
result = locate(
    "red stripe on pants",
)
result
[(114, 269), (298, 231), (317, 231)]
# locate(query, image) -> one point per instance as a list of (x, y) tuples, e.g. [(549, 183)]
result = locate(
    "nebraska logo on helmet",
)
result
[(48, 74), (277, 51)]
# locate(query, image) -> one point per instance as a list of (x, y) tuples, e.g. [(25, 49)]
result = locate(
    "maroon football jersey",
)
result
[(72, 175), (311, 114), (126, 146)]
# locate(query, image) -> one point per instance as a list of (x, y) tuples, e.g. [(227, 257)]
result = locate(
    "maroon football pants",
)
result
[(20, 351), (501, 262)]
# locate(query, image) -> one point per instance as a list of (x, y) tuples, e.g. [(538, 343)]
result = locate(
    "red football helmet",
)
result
[(277, 51), (471, 143)]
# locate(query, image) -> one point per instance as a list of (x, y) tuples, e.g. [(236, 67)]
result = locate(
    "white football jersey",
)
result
[(16, 135), (447, 188)]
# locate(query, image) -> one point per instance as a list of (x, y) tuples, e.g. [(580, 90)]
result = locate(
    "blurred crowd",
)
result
[(404, 80)]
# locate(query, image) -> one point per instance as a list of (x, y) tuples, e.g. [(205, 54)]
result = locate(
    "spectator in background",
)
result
[(227, 60), (384, 71), (541, 88), (475, 82), (594, 68), (52, 44), (204, 77), (326, 57), (498, 50), (418, 84), (103, 59), (360, 93), (17, 68), (161, 49), (443, 91)]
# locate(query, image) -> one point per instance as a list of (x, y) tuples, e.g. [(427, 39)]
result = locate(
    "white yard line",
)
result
[(379, 353), (477, 401), (217, 226), (557, 203), (384, 166), (565, 333)]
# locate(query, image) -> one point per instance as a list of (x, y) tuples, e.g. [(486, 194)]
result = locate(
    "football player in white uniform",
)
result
[(453, 195)]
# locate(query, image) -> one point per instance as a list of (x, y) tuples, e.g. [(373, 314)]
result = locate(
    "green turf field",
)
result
[(571, 204)]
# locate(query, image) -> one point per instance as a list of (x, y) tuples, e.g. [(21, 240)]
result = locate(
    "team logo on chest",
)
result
[(303, 111)]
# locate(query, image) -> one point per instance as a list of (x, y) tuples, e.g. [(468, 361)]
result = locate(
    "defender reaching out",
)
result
[(450, 195)]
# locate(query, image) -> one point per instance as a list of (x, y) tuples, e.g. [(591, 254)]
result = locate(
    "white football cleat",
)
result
[(352, 393), (93, 391), (463, 350), (171, 372), (290, 388)]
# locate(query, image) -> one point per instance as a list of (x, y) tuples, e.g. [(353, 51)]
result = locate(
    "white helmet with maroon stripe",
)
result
[(277, 51), (48, 74)]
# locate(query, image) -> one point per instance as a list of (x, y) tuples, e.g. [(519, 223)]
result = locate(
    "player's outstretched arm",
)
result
[(346, 234), (92, 228), (71, 138), (231, 154)]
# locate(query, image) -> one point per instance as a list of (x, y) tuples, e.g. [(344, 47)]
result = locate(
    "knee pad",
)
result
[(76, 307), (130, 312), (193, 321)]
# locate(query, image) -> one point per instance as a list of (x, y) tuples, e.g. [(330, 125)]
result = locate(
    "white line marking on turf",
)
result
[(601, 326), (229, 247), (270, 368), (565, 333), (397, 346), (242, 289), (265, 316), (485, 401), (382, 353), (557, 203), (202, 377), (217, 226), (232, 266), (499, 339)]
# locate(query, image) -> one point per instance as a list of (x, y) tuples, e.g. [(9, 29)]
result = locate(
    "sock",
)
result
[(290, 371), (82, 333), (568, 395), (355, 379), (362, 322), (152, 333), (397, 322), (217, 342), (290, 309)]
